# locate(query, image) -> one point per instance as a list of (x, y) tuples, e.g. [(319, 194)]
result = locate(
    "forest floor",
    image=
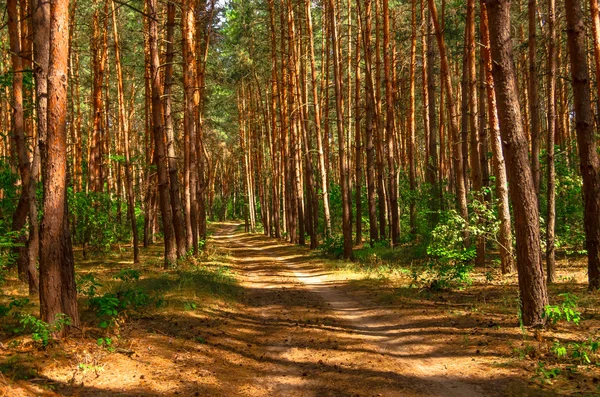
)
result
[(258, 317)]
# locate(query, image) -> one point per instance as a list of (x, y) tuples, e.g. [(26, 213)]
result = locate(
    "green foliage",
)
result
[(106, 342), (565, 310), (546, 375), (95, 223), (14, 303), (41, 331), (110, 306), (128, 275), (580, 352), (87, 285), (333, 246), (451, 260)]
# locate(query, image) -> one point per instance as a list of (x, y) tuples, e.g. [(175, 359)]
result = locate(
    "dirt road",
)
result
[(293, 329), (307, 337)]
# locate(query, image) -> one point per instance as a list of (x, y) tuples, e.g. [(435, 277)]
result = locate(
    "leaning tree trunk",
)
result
[(586, 140), (532, 284), (505, 234)]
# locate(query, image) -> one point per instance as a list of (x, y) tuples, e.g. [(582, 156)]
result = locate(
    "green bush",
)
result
[(333, 246)]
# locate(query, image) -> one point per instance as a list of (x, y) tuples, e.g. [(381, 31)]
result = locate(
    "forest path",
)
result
[(308, 337)]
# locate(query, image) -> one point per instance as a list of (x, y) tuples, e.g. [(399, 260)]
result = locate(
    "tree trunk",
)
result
[(433, 168), (534, 107), (532, 284), (176, 206), (99, 56), (357, 138), (505, 234), (461, 192), (389, 128), (551, 191), (158, 127), (192, 96), (57, 282), (370, 123), (411, 120), (26, 271), (586, 140), (124, 126), (346, 216)]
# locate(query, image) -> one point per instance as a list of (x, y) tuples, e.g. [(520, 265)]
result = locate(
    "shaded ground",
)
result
[(291, 327)]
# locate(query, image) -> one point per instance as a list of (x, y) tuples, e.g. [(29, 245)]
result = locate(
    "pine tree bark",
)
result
[(505, 233), (192, 96), (411, 121), (318, 132), (586, 141), (174, 191), (27, 272), (358, 163), (124, 126), (389, 128), (461, 192), (534, 107), (551, 173), (158, 127), (99, 56), (532, 284), (343, 161), (57, 273), (370, 122)]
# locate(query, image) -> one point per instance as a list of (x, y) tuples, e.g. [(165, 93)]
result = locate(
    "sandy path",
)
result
[(318, 341)]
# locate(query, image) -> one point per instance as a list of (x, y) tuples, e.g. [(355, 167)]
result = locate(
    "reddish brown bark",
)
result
[(158, 127), (589, 162), (532, 283), (57, 281)]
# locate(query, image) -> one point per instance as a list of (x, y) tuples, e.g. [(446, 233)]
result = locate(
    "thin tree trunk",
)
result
[(19, 139), (159, 137), (370, 122), (411, 120), (551, 190), (346, 216), (534, 107), (389, 128), (192, 97), (357, 137), (461, 192), (124, 125), (176, 206)]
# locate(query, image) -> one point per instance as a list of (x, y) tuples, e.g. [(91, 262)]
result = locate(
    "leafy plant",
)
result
[(40, 330), (88, 285), (566, 310), (333, 246), (128, 275), (581, 352), (546, 375)]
